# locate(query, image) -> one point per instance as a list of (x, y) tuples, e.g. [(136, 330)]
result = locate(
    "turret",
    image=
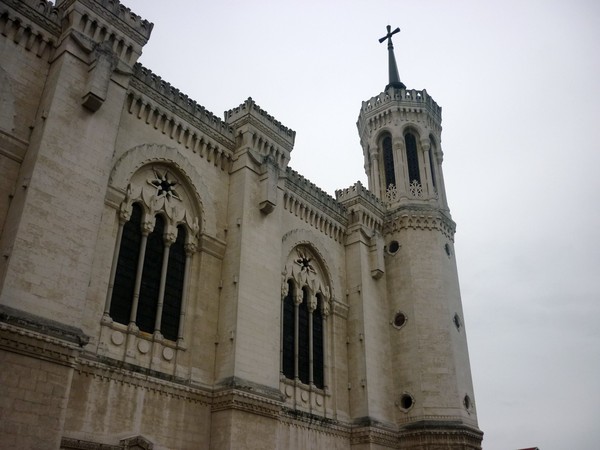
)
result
[(400, 133)]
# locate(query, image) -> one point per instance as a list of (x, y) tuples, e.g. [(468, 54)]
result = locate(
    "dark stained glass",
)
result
[(412, 158), (288, 333), (303, 342), (148, 301), (124, 284), (174, 287), (388, 162), (318, 344)]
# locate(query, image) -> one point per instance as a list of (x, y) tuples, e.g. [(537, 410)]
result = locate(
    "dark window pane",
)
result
[(303, 350), (174, 287), (388, 162), (318, 344), (129, 250), (148, 301), (288, 333), (412, 158)]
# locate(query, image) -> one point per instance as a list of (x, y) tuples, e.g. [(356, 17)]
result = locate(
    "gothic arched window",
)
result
[(152, 254), (303, 320), (412, 158), (388, 162)]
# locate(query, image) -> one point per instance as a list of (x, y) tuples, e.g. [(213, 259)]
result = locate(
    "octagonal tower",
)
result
[(400, 133)]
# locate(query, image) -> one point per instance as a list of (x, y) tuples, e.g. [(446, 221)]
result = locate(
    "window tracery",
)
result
[(157, 236), (305, 308)]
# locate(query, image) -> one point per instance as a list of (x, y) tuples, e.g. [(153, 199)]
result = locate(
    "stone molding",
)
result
[(40, 12), (419, 219), (36, 33), (250, 112), (135, 158), (118, 15), (37, 345), (107, 369), (179, 104)]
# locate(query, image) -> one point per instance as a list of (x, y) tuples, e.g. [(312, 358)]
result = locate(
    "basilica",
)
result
[(168, 281)]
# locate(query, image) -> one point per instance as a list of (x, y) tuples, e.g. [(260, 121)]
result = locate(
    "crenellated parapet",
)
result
[(363, 206), (313, 205), (257, 130), (404, 104), (248, 110), (33, 24), (170, 110), (113, 14)]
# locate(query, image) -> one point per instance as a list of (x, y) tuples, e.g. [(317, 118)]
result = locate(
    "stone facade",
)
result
[(278, 316)]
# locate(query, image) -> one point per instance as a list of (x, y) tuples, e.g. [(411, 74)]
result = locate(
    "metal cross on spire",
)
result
[(393, 68)]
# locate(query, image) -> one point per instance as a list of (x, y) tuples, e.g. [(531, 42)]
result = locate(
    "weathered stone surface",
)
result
[(87, 136)]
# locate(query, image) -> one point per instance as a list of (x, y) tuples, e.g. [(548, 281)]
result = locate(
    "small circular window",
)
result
[(468, 403), (399, 319), (457, 321), (393, 247), (406, 402)]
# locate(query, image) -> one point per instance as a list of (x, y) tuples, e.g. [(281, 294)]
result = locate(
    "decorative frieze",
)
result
[(419, 219)]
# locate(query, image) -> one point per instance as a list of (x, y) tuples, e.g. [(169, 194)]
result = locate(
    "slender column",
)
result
[(376, 174), (297, 303), (425, 145), (325, 345), (285, 289), (147, 227), (190, 249), (169, 238)]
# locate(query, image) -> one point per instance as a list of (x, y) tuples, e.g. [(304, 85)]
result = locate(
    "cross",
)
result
[(389, 35)]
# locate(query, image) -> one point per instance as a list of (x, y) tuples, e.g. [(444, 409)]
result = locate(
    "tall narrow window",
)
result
[(146, 312), (412, 158), (303, 342), (146, 289), (388, 162), (432, 162), (174, 287), (303, 320), (318, 359), (124, 284), (288, 332)]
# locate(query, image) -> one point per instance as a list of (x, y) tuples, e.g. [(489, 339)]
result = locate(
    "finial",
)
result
[(393, 68)]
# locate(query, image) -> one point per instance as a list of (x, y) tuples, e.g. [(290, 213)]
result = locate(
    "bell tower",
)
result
[(400, 133)]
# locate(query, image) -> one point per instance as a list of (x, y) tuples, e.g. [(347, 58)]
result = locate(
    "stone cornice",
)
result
[(40, 12), (117, 15), (33, 29), (37, 345), (425, 218), (179, 105), (40, 326), (310, 192), (250, 112), (108, 369)]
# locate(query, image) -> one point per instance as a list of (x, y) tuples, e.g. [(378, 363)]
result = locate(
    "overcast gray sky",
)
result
[(519, 84)]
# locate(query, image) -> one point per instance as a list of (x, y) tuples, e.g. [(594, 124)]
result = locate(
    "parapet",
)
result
[(308, 187), (141, 28), (408, 98), (174, 95), (277, 129), (41, 12)]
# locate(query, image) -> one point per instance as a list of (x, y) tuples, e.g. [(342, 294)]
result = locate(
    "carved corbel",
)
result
[(376, 251), (268, 184), (103, 64)]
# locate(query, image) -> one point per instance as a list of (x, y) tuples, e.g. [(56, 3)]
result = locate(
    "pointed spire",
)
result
[(393, 68)]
